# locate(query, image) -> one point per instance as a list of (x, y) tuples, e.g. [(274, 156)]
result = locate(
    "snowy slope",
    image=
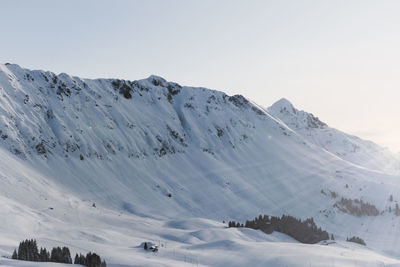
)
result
[(164, 162), (348, 147)]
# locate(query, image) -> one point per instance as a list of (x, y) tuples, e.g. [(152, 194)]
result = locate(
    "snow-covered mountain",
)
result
[(168, 163), (348, 147)]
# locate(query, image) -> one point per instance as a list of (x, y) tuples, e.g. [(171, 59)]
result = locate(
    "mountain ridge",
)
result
[(348, 147), (158, 151), (64, 86)]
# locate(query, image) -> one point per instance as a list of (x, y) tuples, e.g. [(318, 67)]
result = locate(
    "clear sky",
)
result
[(339, 60)]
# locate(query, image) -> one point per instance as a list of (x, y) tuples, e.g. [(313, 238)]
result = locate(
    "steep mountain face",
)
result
[(126, 140), (45, 114), (351, 148), (156, 150)]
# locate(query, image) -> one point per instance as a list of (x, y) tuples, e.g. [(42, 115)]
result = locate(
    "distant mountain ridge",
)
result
[(346, 146)]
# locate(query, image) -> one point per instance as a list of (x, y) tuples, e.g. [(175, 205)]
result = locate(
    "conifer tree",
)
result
[(14, 255), (44, 255), (397, 210), (66, 255)]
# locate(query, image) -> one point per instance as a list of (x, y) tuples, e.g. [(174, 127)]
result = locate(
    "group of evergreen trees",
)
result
[(235, 224), (91, 260), (61, 255), (356, 207), (356, 239), (396, 210), (28, 251), (303, 231)]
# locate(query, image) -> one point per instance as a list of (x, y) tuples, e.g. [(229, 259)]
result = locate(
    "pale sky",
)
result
[(339, 60)]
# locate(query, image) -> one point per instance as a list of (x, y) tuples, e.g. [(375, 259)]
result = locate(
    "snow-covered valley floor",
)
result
[(197, 242), (118, 235)]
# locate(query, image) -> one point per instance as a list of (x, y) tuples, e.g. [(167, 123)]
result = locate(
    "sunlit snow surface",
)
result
[(259, 163)]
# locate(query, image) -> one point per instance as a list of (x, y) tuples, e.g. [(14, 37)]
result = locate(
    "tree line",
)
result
[(28, 251), (91, 260), (305, 231), (356, 239), (356, 207)]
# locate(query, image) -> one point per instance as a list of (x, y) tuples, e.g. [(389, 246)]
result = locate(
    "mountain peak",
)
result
[(283, 105), (155, 77), (11, 65), (7, 66), (285, 111), (283, 101)]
